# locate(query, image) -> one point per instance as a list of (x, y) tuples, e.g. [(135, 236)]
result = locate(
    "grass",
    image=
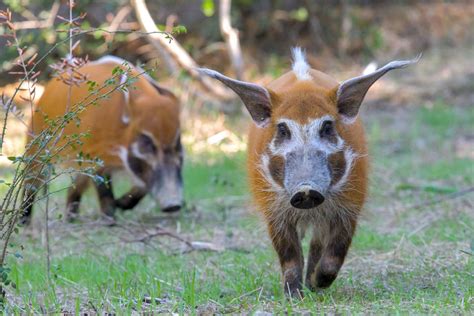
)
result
[(404, 259)]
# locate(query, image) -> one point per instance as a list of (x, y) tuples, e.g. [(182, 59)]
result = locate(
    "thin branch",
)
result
[(172, 47), (231, 37), (117, 20), (35, 24)]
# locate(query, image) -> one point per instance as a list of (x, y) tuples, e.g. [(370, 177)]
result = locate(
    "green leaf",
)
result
[(179, 29), (207, 7), (300, 15)]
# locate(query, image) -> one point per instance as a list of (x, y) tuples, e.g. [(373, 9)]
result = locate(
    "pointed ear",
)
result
[(351, 93), (256, 98), (161, 90)]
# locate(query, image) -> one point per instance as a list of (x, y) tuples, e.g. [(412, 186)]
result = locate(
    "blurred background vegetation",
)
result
[(413, 250), (353, 31)]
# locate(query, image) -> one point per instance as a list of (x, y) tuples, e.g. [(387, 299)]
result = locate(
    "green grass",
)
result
[(403, 260)]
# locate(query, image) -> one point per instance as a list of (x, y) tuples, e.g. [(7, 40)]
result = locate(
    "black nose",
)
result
[(171, 209), (307, 199)]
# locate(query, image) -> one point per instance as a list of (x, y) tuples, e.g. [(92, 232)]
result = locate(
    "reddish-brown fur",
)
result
[(303, 101), (307, 164), (103, 121), (150, 108)]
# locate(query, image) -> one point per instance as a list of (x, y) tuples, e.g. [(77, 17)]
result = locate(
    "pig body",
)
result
[(304, 106), (136, 128), (308, 165)]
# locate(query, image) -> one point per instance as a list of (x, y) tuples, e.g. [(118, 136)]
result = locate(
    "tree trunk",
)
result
[(231, 37), (166, 42)]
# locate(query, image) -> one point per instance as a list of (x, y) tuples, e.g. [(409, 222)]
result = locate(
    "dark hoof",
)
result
[(108, 220)]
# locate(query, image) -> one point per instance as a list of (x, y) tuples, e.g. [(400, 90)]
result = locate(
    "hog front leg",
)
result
[(130, 199), (332, 257), (288, 247)]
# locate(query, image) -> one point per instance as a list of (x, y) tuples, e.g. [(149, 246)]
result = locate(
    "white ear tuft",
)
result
[(370, 68), (300, 65)]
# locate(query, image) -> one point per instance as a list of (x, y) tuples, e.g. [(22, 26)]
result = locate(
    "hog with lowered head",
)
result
[(136, 129)]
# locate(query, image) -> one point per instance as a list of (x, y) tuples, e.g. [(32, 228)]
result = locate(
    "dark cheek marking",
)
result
[(277, 169), (139, 168), (332, 139), (337, 165)]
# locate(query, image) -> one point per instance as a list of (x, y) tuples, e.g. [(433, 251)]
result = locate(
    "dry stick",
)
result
[(117, 20), (160, 232), (25, 25), (231, 37), (171, 65), (172, 46)]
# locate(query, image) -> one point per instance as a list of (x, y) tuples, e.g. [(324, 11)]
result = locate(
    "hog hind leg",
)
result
[(74, 194)]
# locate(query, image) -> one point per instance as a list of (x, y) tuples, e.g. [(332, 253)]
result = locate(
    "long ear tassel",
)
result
[(351, 93)]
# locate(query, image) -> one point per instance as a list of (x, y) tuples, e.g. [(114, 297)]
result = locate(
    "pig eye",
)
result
[(327, 130), (283, 131), (146, 144)]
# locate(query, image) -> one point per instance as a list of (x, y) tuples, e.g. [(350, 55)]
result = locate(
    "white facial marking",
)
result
[(300, 65), (109, 59), (349, 157), (264, 167), (137, 153), (122, 152), (302, 135), (151, 160)]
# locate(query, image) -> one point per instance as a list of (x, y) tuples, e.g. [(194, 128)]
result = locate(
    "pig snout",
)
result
[(306, 197)]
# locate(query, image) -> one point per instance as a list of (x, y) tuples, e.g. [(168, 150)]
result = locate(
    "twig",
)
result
[(117, 20), (160, 231), (244, 295), (231, 37), (174, 49), (26, 25)]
